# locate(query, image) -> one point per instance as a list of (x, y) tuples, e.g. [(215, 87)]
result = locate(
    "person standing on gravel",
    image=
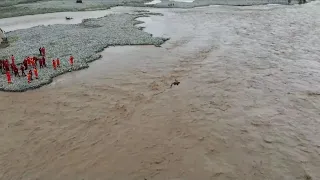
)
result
[(58, 62), (30, 72), (40, 51), (35, 70), (35, 60), (29, 78), (1, 64), (71, 60), (6, 65), (22, 70), (54, 64), (43, 50), (44, 61), (12, 67), (16, 71), (25, 63), (12, 59), (40, 63), (8, 77)]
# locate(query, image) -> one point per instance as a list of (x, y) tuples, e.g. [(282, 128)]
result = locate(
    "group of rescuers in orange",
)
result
[(27, 62)]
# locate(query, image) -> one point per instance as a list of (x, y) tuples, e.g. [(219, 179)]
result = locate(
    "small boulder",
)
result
[(79, 1)]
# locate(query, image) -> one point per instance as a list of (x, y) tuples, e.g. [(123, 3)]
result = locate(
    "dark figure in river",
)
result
[(175, 83)]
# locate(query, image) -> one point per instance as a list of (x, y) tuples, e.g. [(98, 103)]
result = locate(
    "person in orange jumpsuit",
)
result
[(12, 67), (16, 71), (33, 62), (22, 70), (54, 64), (6, 65), (41, 63), (12, 59), (58, 62), (29, 78), (44, 61), (25, 64), (28, 61), (71, 60), (1, 65), (30, 72), (43, 50), (8, 77), (35, 70)]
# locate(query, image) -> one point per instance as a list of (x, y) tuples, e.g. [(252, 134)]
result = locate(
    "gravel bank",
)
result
[(14, 8), (83, 41)]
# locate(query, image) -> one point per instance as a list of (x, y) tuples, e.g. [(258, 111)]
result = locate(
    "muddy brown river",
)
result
[(247, 107)]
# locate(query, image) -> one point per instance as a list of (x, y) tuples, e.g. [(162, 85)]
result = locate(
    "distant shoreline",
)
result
[(32, 7)]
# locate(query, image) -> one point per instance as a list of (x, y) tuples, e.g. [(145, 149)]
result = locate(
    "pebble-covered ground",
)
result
[(11, 8), (83, 41)]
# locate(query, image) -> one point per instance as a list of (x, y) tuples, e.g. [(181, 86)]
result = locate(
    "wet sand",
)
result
[(247, 106)]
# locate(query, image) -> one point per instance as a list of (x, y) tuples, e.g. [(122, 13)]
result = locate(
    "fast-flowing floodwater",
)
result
[(247, 107)]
